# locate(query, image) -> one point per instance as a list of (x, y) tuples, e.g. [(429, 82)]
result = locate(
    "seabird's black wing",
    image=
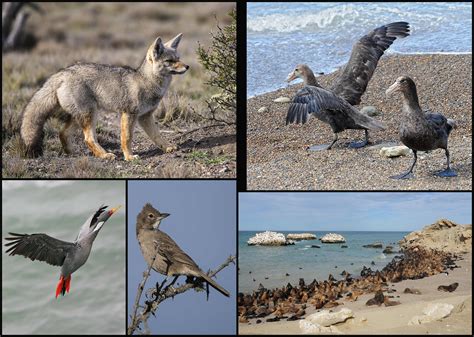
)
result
[(40, 247), (328, 107), (366, 53)]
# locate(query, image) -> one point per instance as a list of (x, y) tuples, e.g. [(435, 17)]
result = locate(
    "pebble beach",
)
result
[(277, 155)]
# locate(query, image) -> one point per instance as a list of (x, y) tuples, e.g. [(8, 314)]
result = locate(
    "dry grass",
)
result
[(109, 33)]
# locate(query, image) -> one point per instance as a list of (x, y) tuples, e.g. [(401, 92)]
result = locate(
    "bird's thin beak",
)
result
[(391, 89), (164, 215), (113, 210), (291, 77)]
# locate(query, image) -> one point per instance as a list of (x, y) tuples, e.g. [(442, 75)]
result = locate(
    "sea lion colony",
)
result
[(291, 302)]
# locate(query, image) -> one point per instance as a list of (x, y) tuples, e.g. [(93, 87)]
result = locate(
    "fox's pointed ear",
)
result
[(155, 50), (173, 43)]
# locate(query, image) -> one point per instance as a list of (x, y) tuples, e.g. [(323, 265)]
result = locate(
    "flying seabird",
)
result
[(69, 255)]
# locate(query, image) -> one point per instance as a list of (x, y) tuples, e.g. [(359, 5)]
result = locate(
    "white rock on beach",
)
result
[(263, 109), (332, 238), (432, 312), (394, 151), (301, 236), (327, 318), (282, 99), (310, 328), (268, 238)]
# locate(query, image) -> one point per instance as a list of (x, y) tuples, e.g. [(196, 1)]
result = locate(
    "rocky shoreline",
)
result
[(417, 262), (277, 157), (290, 302)]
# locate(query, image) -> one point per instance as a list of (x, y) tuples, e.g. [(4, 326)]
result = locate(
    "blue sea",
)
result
[(281, 35), (275, 262)]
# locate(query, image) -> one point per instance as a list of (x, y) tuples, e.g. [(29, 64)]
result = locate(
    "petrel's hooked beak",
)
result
[(291, 77), (114, 209), (392, 89)]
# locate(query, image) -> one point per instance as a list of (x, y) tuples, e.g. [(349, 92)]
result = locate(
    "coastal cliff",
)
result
[(444, 235)]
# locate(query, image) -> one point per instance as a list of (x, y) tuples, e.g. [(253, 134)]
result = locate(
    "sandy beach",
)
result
[(277, 158), (394, 320)]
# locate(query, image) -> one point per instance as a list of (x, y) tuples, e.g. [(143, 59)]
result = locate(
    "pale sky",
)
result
[(351, 211)]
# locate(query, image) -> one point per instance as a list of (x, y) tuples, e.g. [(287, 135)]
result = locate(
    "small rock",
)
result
[(263, 109), (394, 151), (369, 111), (282, 99)]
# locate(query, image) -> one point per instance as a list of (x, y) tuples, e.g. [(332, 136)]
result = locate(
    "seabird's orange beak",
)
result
[(113, 210)]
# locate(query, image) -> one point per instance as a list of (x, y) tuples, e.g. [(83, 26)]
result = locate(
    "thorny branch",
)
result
[(162, 293)]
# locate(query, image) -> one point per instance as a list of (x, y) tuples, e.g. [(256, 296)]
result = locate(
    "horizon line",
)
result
[(318, 230)]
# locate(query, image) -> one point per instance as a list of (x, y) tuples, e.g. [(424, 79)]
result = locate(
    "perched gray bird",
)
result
[(69, 255), (170, 259)]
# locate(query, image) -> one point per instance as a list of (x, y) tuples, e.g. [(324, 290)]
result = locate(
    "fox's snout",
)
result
[(179, 67)]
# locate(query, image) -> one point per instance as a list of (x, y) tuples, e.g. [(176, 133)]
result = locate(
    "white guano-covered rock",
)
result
[(332, 238), (394, 151), (327, 318), (301, 236), (432, 312), (268, 238)]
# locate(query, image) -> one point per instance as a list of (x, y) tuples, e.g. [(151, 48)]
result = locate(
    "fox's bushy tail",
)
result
[(36, 113)]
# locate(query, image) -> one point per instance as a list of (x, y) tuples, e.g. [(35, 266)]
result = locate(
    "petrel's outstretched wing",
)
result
[(366, 53), (39, 247)]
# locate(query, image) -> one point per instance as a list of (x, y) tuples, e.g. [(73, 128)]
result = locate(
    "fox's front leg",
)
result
[(150, 126), (127, 124)]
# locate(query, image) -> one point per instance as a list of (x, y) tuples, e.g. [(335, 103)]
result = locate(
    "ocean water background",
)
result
[(316, 263), (96, 301), (281, 35)]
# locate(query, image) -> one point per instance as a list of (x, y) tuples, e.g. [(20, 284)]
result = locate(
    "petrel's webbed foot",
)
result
[(358, 145), (323, 146), (447, 173), (406, 175), (409, 173)]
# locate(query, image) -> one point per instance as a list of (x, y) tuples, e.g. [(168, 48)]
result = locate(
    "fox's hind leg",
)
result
[(88, 127), (64, 134), (128, 122), (150, 126)]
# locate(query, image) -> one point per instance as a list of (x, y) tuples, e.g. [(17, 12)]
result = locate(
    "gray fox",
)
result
[(79, 92)]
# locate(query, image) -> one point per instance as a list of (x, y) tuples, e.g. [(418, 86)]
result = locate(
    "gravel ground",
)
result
[(277, 158)]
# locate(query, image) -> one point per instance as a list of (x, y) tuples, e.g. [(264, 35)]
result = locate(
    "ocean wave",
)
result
[(292, 22), (15, 184)]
